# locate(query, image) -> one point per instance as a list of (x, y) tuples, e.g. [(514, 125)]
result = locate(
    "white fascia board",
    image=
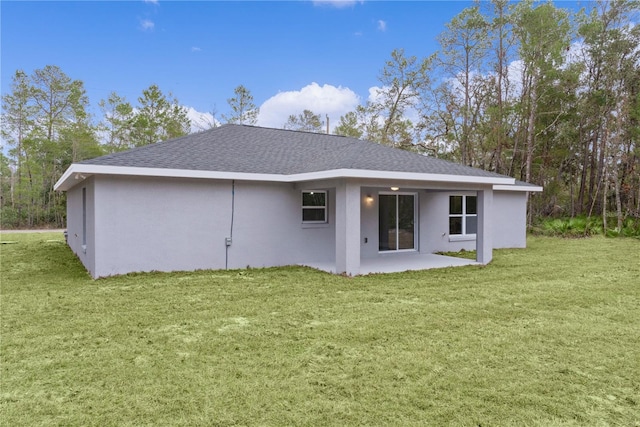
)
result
[(68, 179), (403, 176), (515, 187), (77, 172), (65, 176)]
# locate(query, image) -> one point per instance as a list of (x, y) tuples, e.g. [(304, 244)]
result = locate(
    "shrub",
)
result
[(582, 226), (8, 218)]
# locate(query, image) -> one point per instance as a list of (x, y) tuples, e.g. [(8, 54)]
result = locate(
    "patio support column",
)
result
[(484, 244), (347, 228)]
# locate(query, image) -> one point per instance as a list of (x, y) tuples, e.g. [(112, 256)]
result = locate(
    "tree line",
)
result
[(47, 126), (530, 90)]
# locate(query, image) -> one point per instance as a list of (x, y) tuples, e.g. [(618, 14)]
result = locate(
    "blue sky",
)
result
[(200, 51)]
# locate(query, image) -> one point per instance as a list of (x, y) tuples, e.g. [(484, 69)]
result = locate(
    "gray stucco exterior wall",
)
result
[(435, 232), (171, 224), (509, 219), (369, 222), (75, 227), (165, 224), (268, 228), (150, 224)]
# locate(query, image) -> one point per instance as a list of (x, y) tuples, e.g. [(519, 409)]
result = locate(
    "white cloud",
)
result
[(200, 121), (382, 25), (151, 1), (147, 25), (195, 49), (340, 4), (374, 94), (323, 100)]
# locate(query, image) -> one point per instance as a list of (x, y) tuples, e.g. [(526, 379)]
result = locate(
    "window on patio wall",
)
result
[(463, 215)]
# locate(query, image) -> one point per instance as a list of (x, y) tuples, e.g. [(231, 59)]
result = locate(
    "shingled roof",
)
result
[(263, 154), (251, 149)]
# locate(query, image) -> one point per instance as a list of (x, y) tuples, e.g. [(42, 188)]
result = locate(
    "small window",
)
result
[(463, 215), (84, 216), (314, 207)]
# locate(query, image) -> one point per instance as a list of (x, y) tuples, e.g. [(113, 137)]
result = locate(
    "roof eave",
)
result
[(405, 176), (68, 180), (515, 187), (77, 172)]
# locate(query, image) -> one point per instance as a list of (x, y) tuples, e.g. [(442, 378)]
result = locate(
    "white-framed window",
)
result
[(463, 215), (314, 207)]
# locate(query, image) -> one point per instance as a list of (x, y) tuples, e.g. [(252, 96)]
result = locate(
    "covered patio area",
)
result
[(366, 225), (399, 262)]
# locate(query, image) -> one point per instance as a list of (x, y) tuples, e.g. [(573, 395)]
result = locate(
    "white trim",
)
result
[(79, 171), (395, 193), (462, 237), (306, 225), (408, 176), (516, 187), (82, 170), (396, 251)]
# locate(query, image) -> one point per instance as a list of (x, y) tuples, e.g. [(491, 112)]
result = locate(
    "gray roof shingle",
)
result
[(251, 149)]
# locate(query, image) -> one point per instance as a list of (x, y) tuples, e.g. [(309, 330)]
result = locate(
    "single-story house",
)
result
[(242, 196)]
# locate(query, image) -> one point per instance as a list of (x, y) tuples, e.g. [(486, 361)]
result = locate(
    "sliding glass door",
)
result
[(397, 213)]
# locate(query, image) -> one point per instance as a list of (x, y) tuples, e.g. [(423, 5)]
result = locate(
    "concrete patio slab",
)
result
[(398, 262)]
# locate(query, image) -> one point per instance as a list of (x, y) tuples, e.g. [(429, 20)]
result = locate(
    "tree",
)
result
[(158, 118), (78, 140), (205, 123), (499, 117), (118, 118), (464, 46), (403, 79), (608, 101), (46, 124), (383, 119), (543, 34), (243, 110), (307, 121), (7, 202), (18, 121), (348, 126), (62, 104), (56, 97), (18, 113)]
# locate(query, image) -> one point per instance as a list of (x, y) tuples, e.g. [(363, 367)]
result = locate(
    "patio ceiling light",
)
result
[(395, 188)]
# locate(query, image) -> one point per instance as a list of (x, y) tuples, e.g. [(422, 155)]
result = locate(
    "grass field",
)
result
[(547, 336)]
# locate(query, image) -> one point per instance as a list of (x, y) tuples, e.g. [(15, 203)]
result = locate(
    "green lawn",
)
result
[(547, 336)]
